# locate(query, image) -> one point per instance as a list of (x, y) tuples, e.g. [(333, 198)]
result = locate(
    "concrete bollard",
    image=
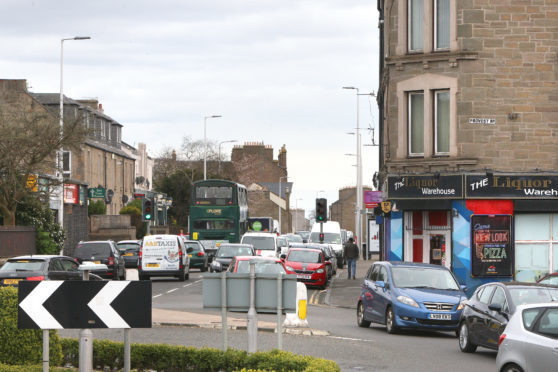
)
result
[(298, 319), (132, 274)]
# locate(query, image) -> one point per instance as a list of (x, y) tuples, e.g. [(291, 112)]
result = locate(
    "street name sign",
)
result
[(55, 304)]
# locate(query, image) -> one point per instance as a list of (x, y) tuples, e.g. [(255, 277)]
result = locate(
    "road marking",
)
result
[(350, 338), (172, 290), (160, 294), (187, 285)]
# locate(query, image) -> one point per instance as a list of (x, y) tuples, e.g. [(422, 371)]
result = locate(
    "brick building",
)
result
[(468, 103)]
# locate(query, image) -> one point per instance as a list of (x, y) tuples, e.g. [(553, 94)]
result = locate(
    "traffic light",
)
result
[(147, 209), (321, 210)]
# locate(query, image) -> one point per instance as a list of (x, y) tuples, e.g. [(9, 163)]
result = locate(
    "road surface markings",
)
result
[(172, 290), (350, 338), (160, 294)]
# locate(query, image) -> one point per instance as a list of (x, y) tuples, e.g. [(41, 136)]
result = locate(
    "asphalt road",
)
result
[(352, 347)]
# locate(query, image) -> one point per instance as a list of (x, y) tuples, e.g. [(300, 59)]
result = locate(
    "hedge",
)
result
[(176, 358), (22, 346), (29, 368)]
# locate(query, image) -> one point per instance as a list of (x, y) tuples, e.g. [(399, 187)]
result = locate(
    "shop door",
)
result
[(437, 248), (428, 237)]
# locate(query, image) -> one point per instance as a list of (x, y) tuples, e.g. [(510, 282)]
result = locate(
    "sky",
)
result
[(273, 69)]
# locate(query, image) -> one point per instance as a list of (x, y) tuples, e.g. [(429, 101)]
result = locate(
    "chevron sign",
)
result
[(53, 304)]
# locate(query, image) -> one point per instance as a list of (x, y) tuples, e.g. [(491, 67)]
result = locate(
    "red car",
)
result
[(309, 265)]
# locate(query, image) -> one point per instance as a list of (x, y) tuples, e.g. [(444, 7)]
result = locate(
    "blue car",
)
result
[(406, 295)]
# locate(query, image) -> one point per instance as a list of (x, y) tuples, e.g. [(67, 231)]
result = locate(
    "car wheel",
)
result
[(360, 316), (116, 274), (203, 268), (123, 277), (181, 276), (391, 328), (187, 275), (464, 343), (512, 367)]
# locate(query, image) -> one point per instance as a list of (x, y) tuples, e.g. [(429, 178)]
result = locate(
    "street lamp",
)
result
[(220, 143), (280, 197), (60, 153), (205, 143)]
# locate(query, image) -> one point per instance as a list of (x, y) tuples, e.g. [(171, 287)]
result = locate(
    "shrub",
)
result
[(22, 346), (97, 207)]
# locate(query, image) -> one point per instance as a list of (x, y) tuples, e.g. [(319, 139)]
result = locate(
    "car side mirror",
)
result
[(495, 307), (463, 287), (381, 284), (283, 256)]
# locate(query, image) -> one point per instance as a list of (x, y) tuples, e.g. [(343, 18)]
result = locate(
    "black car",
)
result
[(129, 249), (226, 252), (102, 252), (40, 267), (487, 312)]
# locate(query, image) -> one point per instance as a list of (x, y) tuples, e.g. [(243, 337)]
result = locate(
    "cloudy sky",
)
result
[(274, 70)]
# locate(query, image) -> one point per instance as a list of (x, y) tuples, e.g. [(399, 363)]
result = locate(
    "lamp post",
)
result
[(220, 143), (358, 224), (205, 143), (280, 197), (60, 153)]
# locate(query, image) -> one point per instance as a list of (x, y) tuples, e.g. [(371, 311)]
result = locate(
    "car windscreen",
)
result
[(23, 265), (421, 277), (231, 251), (304, 256), (294, 238), (128, 247), (260, 242), (86, 251), (332, 238), (265, 267), (532, 295)]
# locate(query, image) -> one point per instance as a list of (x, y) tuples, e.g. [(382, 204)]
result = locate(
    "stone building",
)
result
[(468, 102), (343, 210)]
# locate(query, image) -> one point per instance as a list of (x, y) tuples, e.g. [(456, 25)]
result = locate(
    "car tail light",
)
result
[(201, 254), (110, 261), (502, 337), (180, 257), (40, 277)]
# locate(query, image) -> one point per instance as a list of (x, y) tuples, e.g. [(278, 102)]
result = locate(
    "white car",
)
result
[(265, 244), (530, 340)]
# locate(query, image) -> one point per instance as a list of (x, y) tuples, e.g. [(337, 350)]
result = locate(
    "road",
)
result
[(332, 310)]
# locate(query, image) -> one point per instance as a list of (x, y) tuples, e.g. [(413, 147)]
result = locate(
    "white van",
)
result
[(163, 255), (332, 236), (265, 244)]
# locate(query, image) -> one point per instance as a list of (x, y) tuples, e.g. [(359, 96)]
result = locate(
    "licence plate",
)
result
[(11, 281), (302, 276), (152, 265), (439, 316), (128, 254), (97, 262), (189, 255)]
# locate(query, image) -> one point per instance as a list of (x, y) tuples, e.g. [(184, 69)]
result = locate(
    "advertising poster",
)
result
[(491, 245)]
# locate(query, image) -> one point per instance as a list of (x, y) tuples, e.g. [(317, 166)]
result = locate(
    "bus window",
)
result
[(213, 224)]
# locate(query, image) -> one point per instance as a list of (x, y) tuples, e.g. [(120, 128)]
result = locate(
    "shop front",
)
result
[(483, 227)]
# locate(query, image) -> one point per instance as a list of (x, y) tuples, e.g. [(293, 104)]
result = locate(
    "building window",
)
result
[(442, 122), (416, 124), (67, 163), (441, 24), (416, 25)]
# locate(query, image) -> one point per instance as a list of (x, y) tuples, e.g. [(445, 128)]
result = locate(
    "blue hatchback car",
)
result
[(406, 295)]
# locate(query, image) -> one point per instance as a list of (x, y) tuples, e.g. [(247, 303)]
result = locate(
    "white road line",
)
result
[(172, 290), (350, 338), (157, 295), (189, 284)]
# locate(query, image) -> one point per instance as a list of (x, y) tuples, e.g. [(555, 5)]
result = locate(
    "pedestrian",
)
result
[(351, 253), (182, 235)]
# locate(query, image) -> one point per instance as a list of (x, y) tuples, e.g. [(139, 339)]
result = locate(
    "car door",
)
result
[(368, 295), (55, 270), (382, 293), (496, 321), (71, 269), (479, 316), (541, 349)]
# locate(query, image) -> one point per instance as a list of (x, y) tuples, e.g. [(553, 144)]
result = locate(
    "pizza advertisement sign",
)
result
[(491, 241)]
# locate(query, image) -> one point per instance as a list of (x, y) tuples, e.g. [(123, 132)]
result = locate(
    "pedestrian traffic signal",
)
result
[(147, 209), (321, 210)]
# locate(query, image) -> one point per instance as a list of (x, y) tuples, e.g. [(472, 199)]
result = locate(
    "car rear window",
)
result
[(265, 267), (231, 251), (128, 246), (194, 246), (88, 250), (23, 265), (533, 295), (305, 256), (260, 242)]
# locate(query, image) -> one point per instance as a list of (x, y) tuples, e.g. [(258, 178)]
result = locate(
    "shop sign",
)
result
[(425, 187), (372, 198), (97, 192), (71, 194), (491, 238), (511, 186)]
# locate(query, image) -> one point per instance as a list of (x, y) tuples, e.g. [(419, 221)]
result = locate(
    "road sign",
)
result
[(55, 304), (97, 192)]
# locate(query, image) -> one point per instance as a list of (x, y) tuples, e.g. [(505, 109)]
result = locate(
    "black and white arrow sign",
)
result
[(84, 304)]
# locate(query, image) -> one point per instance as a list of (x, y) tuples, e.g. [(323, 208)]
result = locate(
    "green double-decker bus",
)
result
[(218, 212)]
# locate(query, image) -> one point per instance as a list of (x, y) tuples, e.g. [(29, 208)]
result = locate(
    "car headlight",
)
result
[(289, 268), (461, 305), (319, 271), (407, 301)]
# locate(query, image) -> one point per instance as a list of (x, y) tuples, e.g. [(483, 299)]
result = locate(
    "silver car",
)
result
[(530, 340)]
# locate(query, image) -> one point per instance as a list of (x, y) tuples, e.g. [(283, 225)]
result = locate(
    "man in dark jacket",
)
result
[(351, 252)]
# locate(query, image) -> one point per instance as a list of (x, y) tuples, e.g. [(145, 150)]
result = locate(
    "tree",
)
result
[(30, 136), (134, 210)]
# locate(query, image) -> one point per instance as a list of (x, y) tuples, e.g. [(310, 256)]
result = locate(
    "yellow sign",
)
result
[(32, 182), (195, 236), (386, 207)]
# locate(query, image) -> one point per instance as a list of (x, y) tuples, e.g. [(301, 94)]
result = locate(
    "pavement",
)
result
[(341, 292)]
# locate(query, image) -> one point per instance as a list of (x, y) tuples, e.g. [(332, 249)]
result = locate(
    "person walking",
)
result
[(351, 253)]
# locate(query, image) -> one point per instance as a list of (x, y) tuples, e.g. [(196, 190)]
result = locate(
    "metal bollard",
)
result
[(252, 315), (85, 350)]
